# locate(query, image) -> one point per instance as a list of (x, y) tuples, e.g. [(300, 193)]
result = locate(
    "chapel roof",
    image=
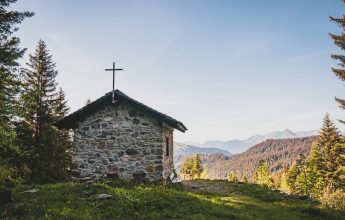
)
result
[(71, 121)]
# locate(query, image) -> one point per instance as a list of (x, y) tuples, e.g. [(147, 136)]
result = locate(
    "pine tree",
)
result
[(301, 183), (328, 140), (262, 174), (46, 147), (10, 52), (314, 172), (197, 167), (339, 40), (186, 168), (339, 175), (293, 173)]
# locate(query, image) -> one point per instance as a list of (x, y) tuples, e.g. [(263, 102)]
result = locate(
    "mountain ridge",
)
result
[(236, 146)]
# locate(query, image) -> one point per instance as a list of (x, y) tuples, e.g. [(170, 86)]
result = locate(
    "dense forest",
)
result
[(278, 153)]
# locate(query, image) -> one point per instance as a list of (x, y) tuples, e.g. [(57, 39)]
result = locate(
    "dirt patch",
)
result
[(196, 186)]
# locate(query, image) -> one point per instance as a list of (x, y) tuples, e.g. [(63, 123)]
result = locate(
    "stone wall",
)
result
[(124, 144)]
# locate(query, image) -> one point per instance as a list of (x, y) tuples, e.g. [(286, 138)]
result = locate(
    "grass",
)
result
[(212, 200)]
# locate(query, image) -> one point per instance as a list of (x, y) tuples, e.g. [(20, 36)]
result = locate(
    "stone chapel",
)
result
[(126, 140)]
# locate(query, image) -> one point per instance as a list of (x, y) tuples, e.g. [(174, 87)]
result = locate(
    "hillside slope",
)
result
[(276, 152), (205, 200)]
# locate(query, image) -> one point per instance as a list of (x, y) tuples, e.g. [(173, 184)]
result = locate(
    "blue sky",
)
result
[(226, 69)]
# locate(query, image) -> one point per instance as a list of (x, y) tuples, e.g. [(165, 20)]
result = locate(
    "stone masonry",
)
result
[(122, 142)]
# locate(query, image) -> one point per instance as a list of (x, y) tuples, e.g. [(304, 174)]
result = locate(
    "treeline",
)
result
[(319, 175), (278, 153), (31, 149)]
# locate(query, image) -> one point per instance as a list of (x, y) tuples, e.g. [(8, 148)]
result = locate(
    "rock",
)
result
[(150, 168), (131, 152), (159, 168), (104, 196), (136, 121), (85, 179), (101, 145), (112, 175), (76, 173), (132, 113), (139, 177), (31, 191)]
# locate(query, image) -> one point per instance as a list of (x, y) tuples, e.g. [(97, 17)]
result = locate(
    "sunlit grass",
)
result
[(231, 201)]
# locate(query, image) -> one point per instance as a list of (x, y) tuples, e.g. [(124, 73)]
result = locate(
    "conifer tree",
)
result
[(314, 172), (339, 175), (46, 147), (197, 166), (301, 184), (262, 174), (339, 40), (187, 167), (10, 52), (293, 173), (328, 140)]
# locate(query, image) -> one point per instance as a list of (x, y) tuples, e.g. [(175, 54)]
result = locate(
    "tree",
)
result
[(46, 148), (293, 173), (262, 174), (232, 177), (197, 167), (339, 40), (328, 140), (10, 52), (339, 175), (314, 167), (186, 168)]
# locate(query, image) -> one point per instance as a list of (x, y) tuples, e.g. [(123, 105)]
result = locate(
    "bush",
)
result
[(335, 199)]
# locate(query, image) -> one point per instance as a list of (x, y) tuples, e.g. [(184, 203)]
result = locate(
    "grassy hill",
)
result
[(202, 199)]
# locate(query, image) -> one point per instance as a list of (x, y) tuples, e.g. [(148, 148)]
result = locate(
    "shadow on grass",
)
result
[(76, 201)]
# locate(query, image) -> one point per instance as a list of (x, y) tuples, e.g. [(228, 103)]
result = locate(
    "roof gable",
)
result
[(72, 120)]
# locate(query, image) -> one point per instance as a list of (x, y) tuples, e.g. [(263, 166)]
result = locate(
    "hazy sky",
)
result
[(226, 69)]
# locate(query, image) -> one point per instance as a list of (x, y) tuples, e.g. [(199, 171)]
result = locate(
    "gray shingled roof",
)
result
[(71, 121)]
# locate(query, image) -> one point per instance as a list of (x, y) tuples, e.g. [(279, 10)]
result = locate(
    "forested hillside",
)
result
[(278, 153)]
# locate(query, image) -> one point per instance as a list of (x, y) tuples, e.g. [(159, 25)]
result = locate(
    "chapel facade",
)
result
[(128, 140)]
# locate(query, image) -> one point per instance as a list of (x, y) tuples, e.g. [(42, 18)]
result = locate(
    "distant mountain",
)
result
[(186, 150), (277, 153), (238, 146), (207, 154)]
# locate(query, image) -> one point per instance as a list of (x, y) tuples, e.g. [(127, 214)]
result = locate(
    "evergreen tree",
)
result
[(339, 40), (327, 142), (284, 186), (301, 183), (339, 175), (262, 174), (197, 167), (314, 172), (10, 52), (293, 173), (187, 167), (46, 148)]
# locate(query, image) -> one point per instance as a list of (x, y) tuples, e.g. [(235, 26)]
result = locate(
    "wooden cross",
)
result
[(113, 69)]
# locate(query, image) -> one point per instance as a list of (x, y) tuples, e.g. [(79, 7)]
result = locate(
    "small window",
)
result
[(167, 143)]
